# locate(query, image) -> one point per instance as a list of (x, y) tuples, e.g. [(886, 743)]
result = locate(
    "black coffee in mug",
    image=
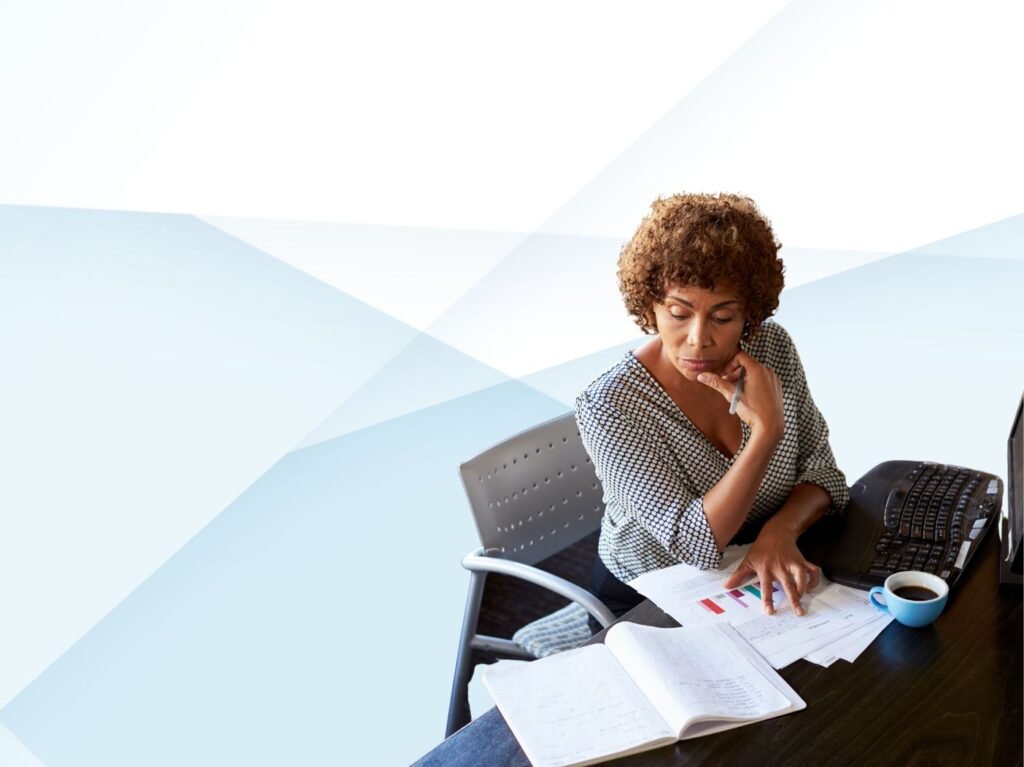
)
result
[(915, 593)]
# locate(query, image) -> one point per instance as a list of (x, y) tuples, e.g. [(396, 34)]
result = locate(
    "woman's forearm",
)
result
[(805, 505), (727, 504)]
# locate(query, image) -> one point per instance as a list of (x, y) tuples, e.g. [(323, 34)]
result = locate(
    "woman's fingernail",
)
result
[(703, 378)]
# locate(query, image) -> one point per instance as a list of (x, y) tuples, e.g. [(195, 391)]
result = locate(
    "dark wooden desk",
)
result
[(947, 694)]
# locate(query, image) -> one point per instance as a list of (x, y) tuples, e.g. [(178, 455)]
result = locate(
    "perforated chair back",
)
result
[(532, 497), (535, 493)]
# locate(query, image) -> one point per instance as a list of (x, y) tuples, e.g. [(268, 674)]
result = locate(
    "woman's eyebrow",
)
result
[(716, 306)]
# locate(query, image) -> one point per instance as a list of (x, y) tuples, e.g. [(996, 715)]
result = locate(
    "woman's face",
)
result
[(699, 329)]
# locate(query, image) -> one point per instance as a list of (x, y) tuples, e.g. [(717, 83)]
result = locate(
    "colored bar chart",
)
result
[(729, 601)]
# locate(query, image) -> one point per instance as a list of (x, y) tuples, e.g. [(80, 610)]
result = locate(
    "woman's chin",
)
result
[(690, 370)]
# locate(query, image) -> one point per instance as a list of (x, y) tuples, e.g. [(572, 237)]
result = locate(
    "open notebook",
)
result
[(643, 688)]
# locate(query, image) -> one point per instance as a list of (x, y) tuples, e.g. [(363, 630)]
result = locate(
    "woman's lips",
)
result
[(698, 365)]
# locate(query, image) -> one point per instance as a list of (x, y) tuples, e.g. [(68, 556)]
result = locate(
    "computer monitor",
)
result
[(1011, 526)]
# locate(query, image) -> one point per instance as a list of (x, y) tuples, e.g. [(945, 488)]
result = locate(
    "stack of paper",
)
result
[(839, 622)]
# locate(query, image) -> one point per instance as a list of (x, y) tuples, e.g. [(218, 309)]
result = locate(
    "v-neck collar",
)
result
[(744, 429)]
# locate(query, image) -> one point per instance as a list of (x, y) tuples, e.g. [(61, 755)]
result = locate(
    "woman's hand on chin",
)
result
[(760, 403), (775, 558)]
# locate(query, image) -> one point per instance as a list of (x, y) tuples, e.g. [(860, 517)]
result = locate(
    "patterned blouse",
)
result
[(655, 466)]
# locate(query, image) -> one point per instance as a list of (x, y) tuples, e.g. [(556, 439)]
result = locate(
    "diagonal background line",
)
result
[(14, 753), (599, 175), (120, 262), (531, 238), (337, 254), (257, 577), (448, 325), (557, 382), (622, 169)]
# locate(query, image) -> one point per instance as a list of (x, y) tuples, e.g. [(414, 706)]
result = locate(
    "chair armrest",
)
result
[(479, 562)]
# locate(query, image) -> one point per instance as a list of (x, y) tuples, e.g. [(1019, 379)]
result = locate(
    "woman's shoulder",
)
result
[(772, 345), (618, 388)]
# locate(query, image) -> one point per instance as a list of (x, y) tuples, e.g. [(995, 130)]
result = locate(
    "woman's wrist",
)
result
[(806, 504), (782, 527), (766, 434)]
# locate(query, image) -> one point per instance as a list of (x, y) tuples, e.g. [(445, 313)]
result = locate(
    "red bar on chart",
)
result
[(711, 605)]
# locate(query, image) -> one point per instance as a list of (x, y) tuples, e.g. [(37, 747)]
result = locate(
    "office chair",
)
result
[(533, 496)]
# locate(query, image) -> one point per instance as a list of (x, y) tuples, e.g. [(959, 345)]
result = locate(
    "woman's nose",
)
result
[(698, 336)]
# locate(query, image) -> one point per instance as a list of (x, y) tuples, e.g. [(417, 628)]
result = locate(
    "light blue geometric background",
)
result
[(248, 475), (243, 647)]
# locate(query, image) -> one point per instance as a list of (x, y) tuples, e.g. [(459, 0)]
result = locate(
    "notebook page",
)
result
[(576, 707), (695, 672)]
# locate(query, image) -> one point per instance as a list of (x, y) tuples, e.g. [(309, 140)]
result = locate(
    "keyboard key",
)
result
[(893, 505), (961, 557)]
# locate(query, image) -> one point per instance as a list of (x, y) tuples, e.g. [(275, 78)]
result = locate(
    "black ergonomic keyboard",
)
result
[(906, 515)]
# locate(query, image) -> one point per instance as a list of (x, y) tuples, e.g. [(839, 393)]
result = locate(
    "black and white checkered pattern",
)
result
[(655, 466)]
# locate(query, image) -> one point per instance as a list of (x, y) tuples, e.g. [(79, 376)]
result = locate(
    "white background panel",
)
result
[(450, 114)]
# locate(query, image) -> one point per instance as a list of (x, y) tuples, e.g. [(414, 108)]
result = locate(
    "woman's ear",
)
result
[(745, 337)]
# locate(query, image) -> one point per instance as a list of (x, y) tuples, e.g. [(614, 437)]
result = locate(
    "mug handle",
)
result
[(876, 590)]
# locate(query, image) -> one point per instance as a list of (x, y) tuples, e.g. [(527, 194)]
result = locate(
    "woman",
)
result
[(682, 476)]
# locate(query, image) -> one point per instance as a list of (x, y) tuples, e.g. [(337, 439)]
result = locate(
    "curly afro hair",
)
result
[(702, 240)]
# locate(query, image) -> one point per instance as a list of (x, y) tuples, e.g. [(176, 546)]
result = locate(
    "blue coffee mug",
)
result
[(905, 597)]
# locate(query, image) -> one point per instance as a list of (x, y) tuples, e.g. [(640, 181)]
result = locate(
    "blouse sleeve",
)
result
[(644, 486), (815, 463)]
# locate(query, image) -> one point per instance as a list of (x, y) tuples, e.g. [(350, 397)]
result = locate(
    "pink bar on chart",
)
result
[(738, 596)]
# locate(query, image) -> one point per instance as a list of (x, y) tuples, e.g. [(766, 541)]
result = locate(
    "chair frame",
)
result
[(509, 513)]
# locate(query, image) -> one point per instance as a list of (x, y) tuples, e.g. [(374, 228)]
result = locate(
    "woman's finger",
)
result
[(717, 383), (740, 574), (731, 371), (766, 586), (813, 576), (801, 577), (789, 586)]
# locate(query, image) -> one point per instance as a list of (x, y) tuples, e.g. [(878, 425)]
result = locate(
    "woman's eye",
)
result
[(722, 320), (680, 316)]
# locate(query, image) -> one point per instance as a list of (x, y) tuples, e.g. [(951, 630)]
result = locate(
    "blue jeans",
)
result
[(486, 740)]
